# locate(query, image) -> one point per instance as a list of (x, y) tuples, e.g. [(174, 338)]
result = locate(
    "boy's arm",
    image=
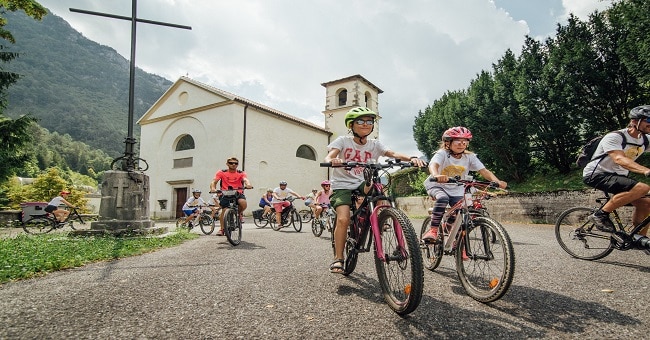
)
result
[(415, 160)]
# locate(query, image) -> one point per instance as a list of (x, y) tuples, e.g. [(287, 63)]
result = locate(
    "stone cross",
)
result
[(120, 192)]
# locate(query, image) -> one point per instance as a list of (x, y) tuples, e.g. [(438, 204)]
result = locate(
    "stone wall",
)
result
[(521, 208)]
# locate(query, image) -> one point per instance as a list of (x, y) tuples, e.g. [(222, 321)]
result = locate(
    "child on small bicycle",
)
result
[(192, 205), (322, 200), (61, 215), (356, 148), (452, 159)]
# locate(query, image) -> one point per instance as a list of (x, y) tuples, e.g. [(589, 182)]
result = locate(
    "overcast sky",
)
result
[(279, 52)]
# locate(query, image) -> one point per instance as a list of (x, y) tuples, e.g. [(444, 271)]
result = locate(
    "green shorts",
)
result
[(344, 196)]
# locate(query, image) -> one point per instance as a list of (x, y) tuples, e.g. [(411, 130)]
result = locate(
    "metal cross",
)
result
[(128, 160)]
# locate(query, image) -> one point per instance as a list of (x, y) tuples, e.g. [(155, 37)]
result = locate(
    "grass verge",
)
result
[(27, 256)]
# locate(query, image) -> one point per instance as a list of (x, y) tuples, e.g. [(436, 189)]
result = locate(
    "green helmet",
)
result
[(356, 113)]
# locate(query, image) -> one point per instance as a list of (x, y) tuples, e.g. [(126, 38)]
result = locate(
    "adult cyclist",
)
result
[(610, 173), (235, 179)]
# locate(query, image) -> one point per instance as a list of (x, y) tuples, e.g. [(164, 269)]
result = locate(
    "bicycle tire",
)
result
[(296, 220), (316, 228), (400, 274), (262, 222), (332, 241), (431, 252), (579, 237), (232, 227), (307, 215), (206, 223), (350, 252), (487, 271), (38, 225)]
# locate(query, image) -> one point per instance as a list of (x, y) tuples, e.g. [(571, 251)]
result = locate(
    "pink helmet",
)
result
[(325, 182), (456, 133)]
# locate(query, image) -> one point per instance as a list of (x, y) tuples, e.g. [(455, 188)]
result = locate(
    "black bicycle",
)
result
[(232, 223), (202, 219), (397, 255), (289, 217), (581, 238), (44, 223)]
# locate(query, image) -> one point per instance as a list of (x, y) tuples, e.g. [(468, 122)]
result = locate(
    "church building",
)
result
[(188, 134)]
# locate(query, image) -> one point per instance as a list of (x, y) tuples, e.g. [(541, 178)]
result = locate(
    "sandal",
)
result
[(337, 267)]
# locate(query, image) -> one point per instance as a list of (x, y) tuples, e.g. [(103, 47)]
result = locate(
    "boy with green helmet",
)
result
[(356, 148)]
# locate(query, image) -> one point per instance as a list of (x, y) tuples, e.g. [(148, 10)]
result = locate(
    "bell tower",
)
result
[(344, 94)]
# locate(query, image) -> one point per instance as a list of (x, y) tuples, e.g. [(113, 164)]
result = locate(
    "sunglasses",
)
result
[(647, 120), (364, 122), (233, 163)]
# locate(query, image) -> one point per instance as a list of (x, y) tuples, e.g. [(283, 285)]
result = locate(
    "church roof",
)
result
[(249, 102), (356, 76)]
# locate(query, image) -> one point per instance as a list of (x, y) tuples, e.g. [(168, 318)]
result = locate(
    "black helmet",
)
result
[(640, 112)]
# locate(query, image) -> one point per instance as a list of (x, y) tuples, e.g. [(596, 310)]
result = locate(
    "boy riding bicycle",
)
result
[(610, 173), (192, 205), (356, 148)]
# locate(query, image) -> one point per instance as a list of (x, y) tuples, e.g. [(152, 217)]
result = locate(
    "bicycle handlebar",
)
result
[(390, 163), (457, 180)]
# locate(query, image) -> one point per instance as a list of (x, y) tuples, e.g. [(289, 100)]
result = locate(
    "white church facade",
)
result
[(188, 134)]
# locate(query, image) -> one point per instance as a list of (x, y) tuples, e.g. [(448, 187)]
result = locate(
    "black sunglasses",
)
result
[(233, 163)]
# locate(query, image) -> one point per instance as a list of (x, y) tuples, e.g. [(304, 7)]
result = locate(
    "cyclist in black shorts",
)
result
[(610, 173)]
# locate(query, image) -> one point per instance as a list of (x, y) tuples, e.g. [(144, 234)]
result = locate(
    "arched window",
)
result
[(185, 143), (343, 97), (368, 98), (306, 152)]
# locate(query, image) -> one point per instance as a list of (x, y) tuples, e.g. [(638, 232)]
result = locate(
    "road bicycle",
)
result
[(484, 254), (44, 223), (232, 222), (202, 219), (581, 239), (307, 215), (376, 221), (325, 222), (288, 217)]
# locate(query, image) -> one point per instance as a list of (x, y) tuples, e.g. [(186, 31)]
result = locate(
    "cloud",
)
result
[(279, 52)]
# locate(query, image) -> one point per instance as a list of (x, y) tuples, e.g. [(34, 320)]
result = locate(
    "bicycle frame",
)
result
[(619, 222), (374, 195)]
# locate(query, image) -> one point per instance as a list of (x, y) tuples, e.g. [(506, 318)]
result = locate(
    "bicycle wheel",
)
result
[(400, 274), (38, 225), (206, 223), (316, 227), (306, 215), (431, 252), (296, 220), (579, 237), (485, 268), (262, 222), (232, 227), (181, 224)]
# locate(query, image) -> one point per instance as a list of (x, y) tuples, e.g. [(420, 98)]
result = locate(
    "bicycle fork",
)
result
[(376, 233)]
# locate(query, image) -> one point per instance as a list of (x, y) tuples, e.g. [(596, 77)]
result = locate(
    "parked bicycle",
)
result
[(232, 222), (289, 217), (581, 239), (484, 254), (377, 222), (44, 223), (326, 221), (202, 219)]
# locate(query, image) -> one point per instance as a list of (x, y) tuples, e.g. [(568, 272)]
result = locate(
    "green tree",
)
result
[(631, 17)]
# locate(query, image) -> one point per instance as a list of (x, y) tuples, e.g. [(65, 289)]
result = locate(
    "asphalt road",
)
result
[(276, 285)]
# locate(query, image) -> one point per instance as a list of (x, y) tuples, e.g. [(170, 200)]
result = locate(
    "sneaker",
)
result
[(431, 235), (465, 257), (602, 222)]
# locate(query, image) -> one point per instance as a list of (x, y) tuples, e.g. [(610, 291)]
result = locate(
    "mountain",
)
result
[(73, 85)]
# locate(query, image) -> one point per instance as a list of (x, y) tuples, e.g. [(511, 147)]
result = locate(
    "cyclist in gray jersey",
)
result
[(610, 173)]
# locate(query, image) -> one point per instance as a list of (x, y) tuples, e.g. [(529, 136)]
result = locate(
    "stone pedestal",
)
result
[(124, 206)]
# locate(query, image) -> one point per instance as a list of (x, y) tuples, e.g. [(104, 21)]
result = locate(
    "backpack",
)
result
[(587, 152)]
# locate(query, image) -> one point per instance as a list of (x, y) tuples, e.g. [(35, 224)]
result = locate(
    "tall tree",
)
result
[(633, 19), (13, 133)]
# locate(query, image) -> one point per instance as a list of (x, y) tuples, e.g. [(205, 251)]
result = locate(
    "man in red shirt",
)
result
[(235, 179)]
